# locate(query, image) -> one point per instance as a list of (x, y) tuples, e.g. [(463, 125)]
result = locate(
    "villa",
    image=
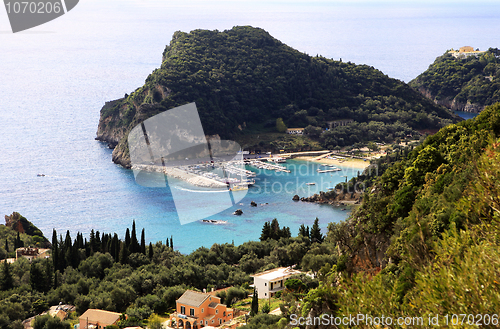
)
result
[(465, 52), (199, 310), (269, 282), (31, 253)]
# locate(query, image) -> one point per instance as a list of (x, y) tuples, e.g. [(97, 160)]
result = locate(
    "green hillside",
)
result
[(467, 83), (243, 80), (426, 239)]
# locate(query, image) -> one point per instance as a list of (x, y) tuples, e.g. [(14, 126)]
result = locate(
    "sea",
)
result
[(55, 78)]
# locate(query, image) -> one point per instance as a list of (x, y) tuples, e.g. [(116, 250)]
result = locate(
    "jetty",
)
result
[(267, 165)]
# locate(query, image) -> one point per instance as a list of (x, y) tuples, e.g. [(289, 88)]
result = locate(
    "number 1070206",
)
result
[(33, 7)]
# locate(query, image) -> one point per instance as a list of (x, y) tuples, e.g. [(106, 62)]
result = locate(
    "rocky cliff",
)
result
[(462, 84)]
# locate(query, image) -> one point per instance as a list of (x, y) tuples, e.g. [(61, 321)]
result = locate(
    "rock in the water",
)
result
[(238, 212), (296, 198), (253, 204)]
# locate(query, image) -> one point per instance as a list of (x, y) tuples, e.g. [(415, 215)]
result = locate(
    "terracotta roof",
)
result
[(192, 298), (101, 316)]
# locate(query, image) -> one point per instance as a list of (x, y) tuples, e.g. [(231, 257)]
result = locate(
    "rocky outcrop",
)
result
[(20, 224), (238, 212), (253, 204), (336, 198), (452, 103)]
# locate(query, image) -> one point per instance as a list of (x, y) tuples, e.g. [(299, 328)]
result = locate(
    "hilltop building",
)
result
[(465, 52)]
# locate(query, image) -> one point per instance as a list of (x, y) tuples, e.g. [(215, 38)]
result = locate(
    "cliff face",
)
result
[(22, 225), (462, 84), (452, 103), (243, 79)]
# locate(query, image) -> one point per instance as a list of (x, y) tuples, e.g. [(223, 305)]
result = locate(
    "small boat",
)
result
[(41, 175), (311, 183), (237, 187), (213, 221)]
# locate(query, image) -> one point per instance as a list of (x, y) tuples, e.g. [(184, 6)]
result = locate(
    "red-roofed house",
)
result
[(197, 310), (98, 319)]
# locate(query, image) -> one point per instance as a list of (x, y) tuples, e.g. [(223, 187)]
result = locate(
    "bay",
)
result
[(56, 77)]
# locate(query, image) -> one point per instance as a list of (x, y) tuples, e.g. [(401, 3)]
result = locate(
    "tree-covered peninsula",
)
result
[(462, 81), (243, 81)]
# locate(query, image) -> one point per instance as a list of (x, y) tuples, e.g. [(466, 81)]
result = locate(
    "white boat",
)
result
[(213, 221), (311, 183)]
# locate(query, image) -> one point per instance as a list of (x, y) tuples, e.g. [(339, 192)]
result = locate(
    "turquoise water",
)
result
[(56, 78)]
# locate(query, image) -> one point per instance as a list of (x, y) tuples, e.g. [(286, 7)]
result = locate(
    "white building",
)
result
[(269, 282), (295, 131)]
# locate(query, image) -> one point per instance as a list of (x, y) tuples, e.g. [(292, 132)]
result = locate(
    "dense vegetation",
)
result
[(243, 81), (426, 238), (137, 279), (455, 81)]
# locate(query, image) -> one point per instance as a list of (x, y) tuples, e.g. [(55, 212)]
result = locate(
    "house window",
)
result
[(224, 313), (183, 310), (265, 284), (202, 310), (265, 294), (191, 312), (216, 311), (220, 321)]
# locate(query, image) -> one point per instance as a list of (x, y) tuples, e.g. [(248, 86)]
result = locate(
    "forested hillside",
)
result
[(464, 83), (243, 80), (426, 239)]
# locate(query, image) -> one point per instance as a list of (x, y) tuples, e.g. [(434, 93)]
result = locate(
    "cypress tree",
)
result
[(168, 244), (151, 254), (171, 242), (97, 241), (255, 303), (134, 243), (92, 242), (19, 243), (116, 242), (123, 254), (6, 245), (55, 250), (62, 252), (143, 242), (127, 238)]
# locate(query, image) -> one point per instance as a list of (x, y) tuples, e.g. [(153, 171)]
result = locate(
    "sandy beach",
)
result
[(344, 162)]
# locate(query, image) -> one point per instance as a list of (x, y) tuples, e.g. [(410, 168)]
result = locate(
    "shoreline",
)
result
[(345, 162)]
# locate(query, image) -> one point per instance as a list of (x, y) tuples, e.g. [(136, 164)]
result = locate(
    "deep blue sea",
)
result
[(55, 78)]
